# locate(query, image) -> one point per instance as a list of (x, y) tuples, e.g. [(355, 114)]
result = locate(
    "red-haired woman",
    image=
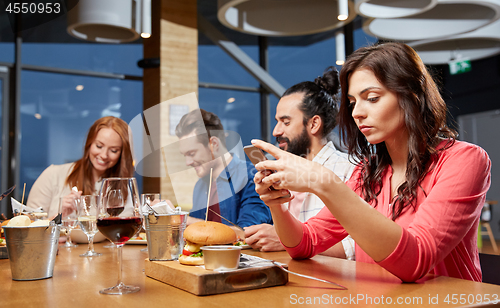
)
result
[(107, 153)]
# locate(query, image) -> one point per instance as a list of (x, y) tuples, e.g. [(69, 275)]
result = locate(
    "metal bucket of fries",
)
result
[(32, 251), (165, 234)]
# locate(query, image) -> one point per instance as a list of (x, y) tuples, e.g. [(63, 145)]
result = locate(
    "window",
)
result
[(118, 59), (216, 66), (241, 115), (290, 65), (55, 116)]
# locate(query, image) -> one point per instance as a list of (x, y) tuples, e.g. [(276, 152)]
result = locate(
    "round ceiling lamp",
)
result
[(447, 18), (478, 44), (284, 17), (110, 21), (392, 8)]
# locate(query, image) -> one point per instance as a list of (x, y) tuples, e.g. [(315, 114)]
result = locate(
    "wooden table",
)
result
[(77, 281)]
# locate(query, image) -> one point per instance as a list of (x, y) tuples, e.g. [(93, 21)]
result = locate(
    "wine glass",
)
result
[(87, 219), (115, 197), (119, 222), (115, 204), (69, 222), (148, 200)]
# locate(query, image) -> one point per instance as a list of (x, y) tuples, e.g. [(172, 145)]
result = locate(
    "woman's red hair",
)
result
[(82, 177)]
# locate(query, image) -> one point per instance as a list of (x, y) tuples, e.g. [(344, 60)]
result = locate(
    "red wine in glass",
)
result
[(114, 194), (115, 211), (119, 229)]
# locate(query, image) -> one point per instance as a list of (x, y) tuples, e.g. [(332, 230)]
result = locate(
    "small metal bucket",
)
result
[(32, 251), (165, 233)]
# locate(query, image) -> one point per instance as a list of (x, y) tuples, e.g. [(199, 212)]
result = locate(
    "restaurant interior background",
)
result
[(53, 86)]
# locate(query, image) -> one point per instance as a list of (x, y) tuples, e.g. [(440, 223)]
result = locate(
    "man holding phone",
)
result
[(306, 115), (228, 179)]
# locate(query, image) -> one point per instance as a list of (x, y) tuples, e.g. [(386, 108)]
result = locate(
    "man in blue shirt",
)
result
[(232, 191)]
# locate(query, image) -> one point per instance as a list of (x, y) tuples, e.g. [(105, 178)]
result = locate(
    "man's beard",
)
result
[(298, 146)]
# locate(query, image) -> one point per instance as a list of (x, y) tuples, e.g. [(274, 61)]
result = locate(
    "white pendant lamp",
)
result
[(146, 19), (284, 18), (343, 10), (110, 21), (392, 8), (447, 18), (478, 44), (340, 47)]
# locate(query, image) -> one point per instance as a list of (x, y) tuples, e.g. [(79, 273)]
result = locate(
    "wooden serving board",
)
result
[(200, 281)]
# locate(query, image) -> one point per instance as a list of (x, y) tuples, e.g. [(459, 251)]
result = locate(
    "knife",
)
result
[(7, 192)]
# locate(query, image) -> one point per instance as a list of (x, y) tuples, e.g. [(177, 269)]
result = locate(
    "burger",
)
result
[(204, 233)]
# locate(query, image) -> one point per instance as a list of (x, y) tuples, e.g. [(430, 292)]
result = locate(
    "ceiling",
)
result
[(54, 31)]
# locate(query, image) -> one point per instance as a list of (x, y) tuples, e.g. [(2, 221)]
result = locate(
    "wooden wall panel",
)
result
[(175, 42)]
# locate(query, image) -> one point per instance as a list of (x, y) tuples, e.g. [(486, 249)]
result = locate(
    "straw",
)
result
[(208, 197), (164, 161), (209, 185), (24, 189)]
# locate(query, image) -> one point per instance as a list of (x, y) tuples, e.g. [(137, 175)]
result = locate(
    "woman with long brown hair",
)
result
[(413, 202), (107, 153)]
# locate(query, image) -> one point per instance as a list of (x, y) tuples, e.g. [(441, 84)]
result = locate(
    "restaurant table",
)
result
[(77, 280)]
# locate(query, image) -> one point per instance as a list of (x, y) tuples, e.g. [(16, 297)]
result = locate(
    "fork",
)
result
[(341, 287), (251, 262)]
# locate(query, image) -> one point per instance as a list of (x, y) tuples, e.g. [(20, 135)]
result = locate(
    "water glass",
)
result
[(87, 219), (148, 200), (69, 221)]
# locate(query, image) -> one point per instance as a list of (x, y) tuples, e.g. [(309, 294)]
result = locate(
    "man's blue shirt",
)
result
[(238, 200)]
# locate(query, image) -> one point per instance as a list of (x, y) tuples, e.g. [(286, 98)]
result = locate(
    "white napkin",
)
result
[(18, 207), (162, 207)]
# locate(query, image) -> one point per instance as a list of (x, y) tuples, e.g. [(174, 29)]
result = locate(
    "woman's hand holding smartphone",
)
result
[(256, 156)]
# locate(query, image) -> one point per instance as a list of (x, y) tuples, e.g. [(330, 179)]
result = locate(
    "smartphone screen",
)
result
[(256, 156)]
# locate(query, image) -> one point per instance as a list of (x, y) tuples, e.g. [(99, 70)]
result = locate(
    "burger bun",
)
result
[(209, 233), (188, 260)]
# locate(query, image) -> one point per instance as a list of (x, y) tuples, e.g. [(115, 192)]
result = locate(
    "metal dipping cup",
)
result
[(32, 251), (221, 257), (165, 234)]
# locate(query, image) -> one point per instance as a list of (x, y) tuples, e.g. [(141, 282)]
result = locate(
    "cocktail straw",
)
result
[(24, 189), (209, 185), (208, 197), (164, 161)]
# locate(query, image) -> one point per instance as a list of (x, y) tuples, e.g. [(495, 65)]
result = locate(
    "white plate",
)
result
[(246, 246)]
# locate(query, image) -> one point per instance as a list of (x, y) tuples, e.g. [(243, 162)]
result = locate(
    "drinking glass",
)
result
[(69, 222), (119, 222), (115, 204), (87, 214), (147, 199), (110, 245), (115, 196)]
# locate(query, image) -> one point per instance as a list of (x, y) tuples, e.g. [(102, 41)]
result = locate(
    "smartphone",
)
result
[(256, 156)]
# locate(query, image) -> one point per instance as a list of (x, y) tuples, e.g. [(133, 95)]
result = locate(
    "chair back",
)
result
[(490, 266)]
